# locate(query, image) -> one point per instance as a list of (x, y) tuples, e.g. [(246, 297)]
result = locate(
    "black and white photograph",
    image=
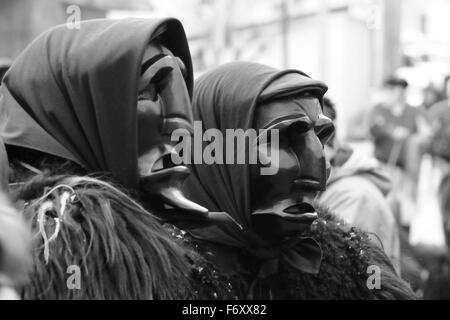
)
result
[(226, 156)]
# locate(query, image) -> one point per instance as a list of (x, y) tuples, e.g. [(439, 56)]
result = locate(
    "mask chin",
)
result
[(285, 218)]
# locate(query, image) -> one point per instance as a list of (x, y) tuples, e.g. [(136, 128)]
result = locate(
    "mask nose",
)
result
[(176, 107), (314, 167)]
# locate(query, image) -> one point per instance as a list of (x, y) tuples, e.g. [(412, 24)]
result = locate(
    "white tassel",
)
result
[(65, 198)]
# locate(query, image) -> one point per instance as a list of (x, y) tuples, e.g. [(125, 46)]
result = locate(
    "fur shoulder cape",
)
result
[(349, 261)]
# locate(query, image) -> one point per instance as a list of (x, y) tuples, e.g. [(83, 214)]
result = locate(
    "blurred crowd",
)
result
[(400, 191)]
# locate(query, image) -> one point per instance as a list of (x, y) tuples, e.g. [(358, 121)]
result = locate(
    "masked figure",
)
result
[(103, 99), (285, 247)]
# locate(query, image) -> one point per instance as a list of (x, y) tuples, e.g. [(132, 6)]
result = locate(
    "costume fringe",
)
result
[(121, 250)]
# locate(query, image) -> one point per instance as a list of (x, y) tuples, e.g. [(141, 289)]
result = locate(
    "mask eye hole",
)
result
[(326, 135), (149, 93), (164, 162), (325, 130), (156, 84)]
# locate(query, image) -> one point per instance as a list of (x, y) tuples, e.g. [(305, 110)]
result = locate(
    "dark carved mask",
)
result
[(163, 106), (282, 204)]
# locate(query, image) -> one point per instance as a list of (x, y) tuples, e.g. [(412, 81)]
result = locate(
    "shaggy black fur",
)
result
[(343, 275), (123, 250)]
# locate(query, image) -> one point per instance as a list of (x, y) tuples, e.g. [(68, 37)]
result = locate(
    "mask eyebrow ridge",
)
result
[(297, 117), (151, 61)]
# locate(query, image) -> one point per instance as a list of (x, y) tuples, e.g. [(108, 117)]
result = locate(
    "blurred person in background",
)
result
[(393, 125), (439, 116), (15, 255), (357, 190), (438, 284), (399, 132)]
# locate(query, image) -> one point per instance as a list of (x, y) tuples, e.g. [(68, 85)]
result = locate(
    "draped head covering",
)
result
[(227, 98), (73, 93)]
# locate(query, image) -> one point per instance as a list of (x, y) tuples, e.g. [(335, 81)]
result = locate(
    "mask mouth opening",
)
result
[(288, 218), (299, 209), (277, 227)]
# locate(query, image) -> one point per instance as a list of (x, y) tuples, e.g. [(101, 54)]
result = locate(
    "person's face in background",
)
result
[(395, 94), (332, 144), (283, 204), (335, 152), (330, 149)]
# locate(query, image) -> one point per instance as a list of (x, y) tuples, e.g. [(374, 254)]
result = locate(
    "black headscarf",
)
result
[(227, 98), (73, 93)]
